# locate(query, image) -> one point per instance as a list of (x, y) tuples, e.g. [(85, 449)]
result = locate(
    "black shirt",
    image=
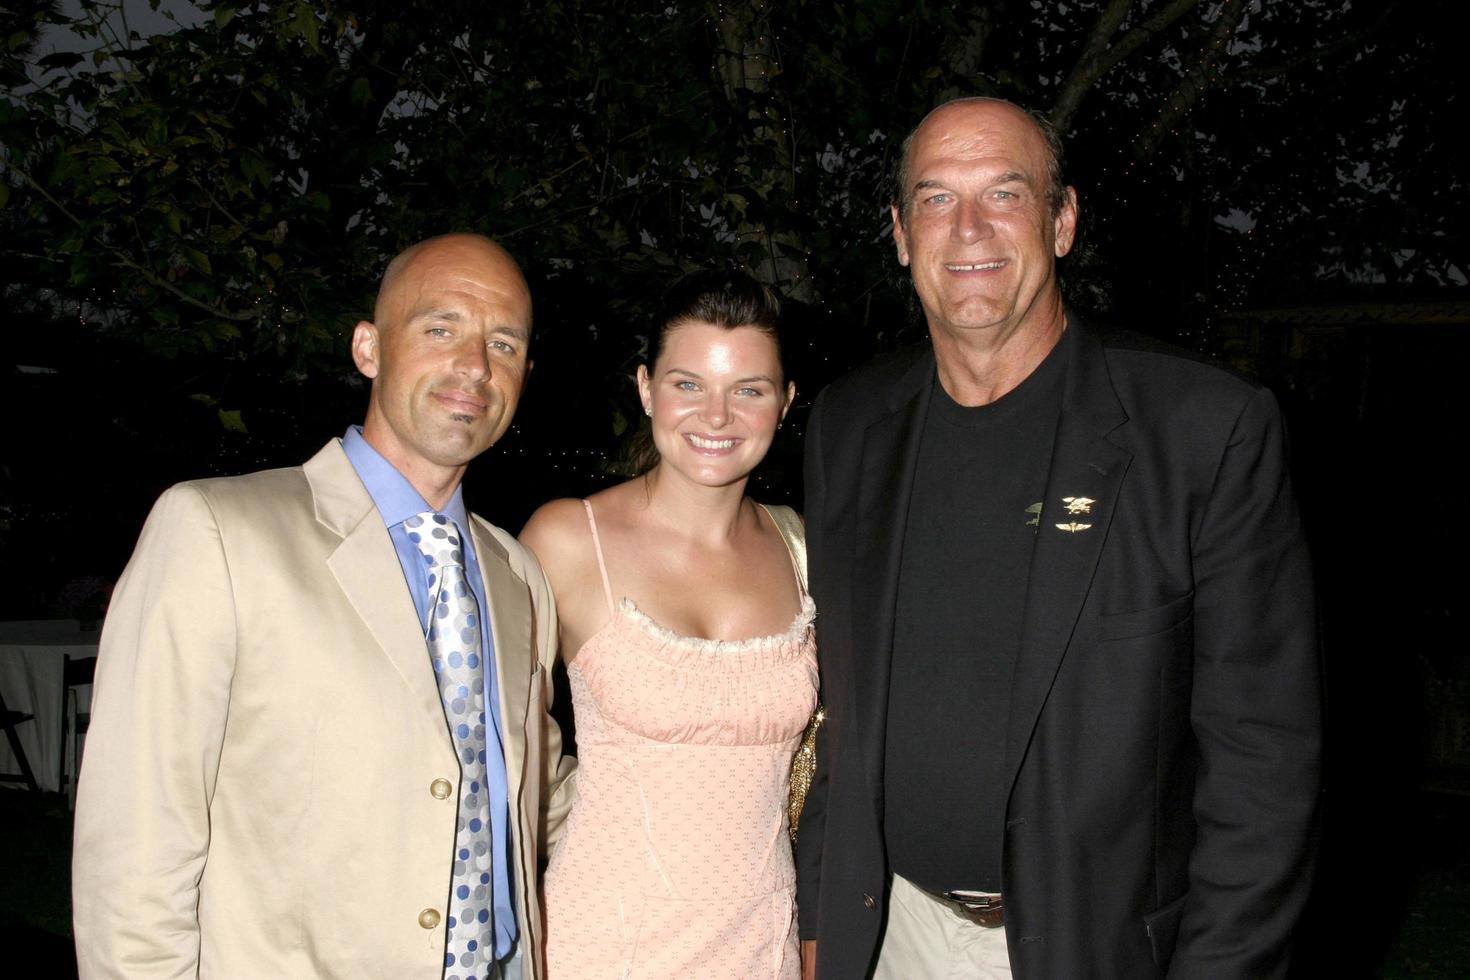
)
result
[(971, 526)]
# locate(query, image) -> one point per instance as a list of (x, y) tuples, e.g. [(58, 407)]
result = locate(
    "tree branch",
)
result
[(964, 51), (219, 206), (1195, 81), (1105, 57), (1317, 54), (122, 258), (903, 59), (1084, 72)]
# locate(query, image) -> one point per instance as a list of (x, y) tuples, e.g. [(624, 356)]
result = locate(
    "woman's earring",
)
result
[(648, 411)]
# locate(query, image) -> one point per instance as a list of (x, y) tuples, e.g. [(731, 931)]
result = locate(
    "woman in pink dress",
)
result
[(688, 640)]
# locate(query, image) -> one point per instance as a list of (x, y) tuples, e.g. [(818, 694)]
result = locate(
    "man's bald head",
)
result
[(448, 351), (465, 243), (1056, 194)]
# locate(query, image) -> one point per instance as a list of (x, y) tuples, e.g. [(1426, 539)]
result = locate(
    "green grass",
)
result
[(35, 862), (1433, 941), (35, 886)]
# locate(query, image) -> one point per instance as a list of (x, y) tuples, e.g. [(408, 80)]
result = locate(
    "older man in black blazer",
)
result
[(1066, 621)]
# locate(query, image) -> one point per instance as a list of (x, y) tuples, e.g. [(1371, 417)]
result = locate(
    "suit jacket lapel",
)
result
[(886, 479), (509, 616), (1084, 464), (366, 567)]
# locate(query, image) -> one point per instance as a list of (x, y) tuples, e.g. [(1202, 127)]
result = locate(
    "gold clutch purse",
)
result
[(804, 763), (803, 767)]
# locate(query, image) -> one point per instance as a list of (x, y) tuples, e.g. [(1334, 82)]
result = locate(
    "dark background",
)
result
[(195, 212)]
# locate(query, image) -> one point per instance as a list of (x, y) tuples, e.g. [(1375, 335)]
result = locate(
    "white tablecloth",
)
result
[(30, 677)]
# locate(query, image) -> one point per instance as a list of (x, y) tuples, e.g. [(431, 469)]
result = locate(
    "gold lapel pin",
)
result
[(1075, 506), (1079, 505)]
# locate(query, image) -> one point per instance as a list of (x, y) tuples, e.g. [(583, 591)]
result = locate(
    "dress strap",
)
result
[(601, 565), (793, 533)]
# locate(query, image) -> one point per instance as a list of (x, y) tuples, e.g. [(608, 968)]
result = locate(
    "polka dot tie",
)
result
[(455, 651)]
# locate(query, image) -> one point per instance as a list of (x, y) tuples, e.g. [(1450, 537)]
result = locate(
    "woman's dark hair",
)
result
[(727, 299)]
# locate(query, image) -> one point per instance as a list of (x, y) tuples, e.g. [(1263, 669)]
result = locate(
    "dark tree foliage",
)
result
[(193, 219)]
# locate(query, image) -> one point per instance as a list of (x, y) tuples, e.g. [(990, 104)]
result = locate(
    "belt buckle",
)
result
[(980, 908)]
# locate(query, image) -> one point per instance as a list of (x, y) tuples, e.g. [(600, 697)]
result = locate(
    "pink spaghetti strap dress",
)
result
[(675, 862)]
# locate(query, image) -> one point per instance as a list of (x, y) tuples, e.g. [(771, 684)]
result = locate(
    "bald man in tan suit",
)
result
[(270, 786)]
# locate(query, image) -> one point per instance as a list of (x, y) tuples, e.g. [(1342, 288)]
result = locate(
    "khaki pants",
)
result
[(927, 940)]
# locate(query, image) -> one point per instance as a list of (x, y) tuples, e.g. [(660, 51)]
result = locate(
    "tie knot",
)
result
[(437, 538)]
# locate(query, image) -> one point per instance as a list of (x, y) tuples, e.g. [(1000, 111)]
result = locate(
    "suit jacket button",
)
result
[(440, 789), (869, 902), (429, 918)]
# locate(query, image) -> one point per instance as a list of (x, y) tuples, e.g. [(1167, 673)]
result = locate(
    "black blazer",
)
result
[(1163, 744)]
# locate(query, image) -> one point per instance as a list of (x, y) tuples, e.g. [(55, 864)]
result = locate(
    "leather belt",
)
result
[(978, 907)]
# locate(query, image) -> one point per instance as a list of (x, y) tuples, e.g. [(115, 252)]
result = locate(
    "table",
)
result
[(31, 655)]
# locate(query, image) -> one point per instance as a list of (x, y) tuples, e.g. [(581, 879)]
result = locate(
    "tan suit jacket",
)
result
[(260, 795)]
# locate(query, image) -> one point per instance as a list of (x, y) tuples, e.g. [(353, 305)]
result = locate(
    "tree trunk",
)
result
[(1204, 73), (747, 61)]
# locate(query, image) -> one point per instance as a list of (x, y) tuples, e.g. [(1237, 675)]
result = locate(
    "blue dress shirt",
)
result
[(397, 500)]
